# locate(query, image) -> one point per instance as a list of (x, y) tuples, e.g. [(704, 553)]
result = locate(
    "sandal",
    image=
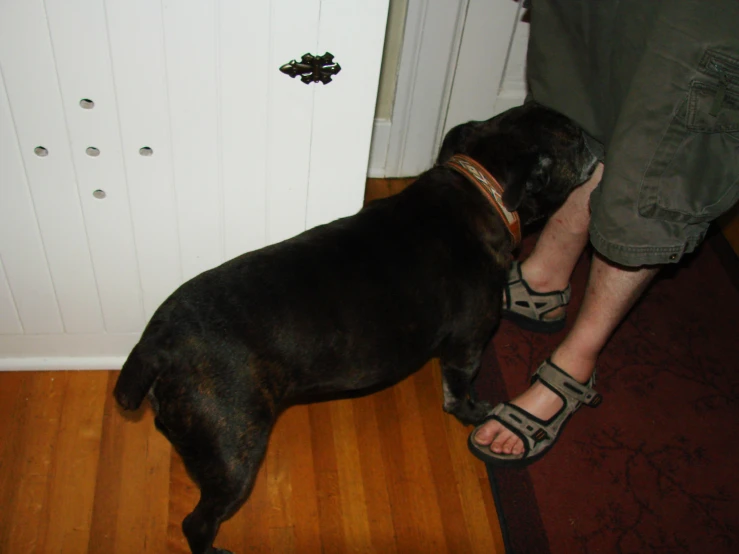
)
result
[(538, 436), (526, 307)]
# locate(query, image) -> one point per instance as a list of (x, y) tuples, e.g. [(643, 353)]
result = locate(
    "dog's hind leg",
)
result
[(225, 480)]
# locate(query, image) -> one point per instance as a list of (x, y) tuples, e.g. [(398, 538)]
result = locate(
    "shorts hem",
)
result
[(637, 256)]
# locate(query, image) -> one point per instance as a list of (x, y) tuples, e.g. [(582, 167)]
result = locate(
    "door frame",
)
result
[(434, 38)]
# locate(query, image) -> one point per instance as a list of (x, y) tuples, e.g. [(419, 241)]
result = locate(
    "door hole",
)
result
[(87, 104), (40, 151), (146, 151), (92, 151), (99, 194)]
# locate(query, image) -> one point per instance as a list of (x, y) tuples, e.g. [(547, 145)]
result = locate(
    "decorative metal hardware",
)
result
[(312, 69)]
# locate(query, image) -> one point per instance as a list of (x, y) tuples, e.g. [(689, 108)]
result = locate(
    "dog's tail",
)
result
[(138, 374)]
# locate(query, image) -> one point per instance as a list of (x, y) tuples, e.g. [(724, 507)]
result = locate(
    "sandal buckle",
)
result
[(540, 435)]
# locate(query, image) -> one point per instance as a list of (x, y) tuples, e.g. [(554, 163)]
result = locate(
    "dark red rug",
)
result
[(654, 467)]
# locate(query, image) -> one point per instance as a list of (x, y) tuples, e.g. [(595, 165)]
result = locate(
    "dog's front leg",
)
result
[(457, 375)]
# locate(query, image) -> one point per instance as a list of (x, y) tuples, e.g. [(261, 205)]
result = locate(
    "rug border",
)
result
[(520, 521)]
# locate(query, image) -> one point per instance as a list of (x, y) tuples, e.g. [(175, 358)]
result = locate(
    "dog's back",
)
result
[(343, 307)]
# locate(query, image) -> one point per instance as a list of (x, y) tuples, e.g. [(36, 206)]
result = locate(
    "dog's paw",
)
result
[(480, 411), (469, 412)]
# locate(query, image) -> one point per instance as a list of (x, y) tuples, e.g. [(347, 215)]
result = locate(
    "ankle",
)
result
[(541, 279), (578, 365)]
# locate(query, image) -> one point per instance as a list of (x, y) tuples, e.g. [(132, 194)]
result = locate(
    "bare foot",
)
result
[(538, 400)]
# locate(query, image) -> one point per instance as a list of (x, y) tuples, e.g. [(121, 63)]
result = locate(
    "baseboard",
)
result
[(61, 364), (378, 148), (51, 352)]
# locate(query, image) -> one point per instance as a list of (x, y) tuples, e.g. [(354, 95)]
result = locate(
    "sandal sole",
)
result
[(533, 325)]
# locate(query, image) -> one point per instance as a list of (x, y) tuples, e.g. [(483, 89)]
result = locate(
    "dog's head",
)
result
[(537, 154)]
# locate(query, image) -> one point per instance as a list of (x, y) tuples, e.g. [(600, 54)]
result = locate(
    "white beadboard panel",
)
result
[(190, 35), (10, 323), (27, 64), (244, 63), (82, 351), (343, 113), (483, 53), (82, 54), (26, 273), (234, 154), (140, 73), (293, 32)]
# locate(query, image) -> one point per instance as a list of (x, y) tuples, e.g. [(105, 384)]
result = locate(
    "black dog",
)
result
[(360, 302)]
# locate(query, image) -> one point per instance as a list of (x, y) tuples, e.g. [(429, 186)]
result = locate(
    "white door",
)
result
[(490, 74), (143, 142), (461, 60)]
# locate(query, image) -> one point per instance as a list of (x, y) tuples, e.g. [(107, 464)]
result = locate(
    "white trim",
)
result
[(433, 33), (65, 351), (378, 150), (61, 364)]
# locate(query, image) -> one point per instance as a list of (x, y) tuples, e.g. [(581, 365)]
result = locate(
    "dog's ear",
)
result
[(527, 177), (456, 141)]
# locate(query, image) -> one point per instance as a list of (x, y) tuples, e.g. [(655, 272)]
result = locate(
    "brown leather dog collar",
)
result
[(490, 187)]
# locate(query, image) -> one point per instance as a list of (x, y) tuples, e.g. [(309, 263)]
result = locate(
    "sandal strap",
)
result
[(572, 390), (529, 429), (529, 303)]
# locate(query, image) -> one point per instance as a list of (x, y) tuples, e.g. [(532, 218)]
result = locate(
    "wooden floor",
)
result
[(387, 473)]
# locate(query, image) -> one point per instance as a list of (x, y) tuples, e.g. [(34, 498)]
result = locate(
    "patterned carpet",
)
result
[(653, 469)]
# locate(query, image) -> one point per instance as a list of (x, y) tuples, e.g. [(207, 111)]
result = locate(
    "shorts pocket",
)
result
[(693, 176)]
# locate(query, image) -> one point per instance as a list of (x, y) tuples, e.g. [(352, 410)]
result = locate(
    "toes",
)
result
[(499, 439), (508, 443), (516, 446), (487, 433)]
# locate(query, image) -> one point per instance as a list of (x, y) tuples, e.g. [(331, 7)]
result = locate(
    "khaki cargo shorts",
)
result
[(656, 85)]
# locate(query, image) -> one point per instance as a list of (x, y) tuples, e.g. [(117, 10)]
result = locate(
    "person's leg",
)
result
[(610, 293), (561, 242)]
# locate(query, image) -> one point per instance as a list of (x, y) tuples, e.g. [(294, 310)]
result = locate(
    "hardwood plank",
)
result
[(374, 476), (354, 515), (29, 515), (294, 437), (454, 524), (76, 453), (132, 489), (327, 479), (413, 497), (108, 483), (14, 394)]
